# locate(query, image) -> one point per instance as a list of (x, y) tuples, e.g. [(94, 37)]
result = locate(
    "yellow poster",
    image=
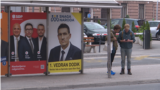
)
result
[(64, 42), (65, 66)]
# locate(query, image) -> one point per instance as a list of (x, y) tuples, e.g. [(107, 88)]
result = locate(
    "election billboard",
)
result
[(64, 42), (4, 42), (27, 43)]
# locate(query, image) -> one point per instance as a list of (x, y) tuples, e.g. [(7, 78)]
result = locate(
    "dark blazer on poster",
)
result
[(43, 48), (73, 53), (4, 49), (12, 49), (23, 47)]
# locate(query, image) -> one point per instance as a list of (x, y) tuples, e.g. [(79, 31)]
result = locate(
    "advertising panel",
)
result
[(4, 42), (27, 43), (64, 42)]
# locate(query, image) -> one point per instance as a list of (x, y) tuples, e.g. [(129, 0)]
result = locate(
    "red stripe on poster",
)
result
[(27, 67)]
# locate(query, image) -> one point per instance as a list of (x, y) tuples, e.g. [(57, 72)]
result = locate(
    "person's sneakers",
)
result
[(112, 73)]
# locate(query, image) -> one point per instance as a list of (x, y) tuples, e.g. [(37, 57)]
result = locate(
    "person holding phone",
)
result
[(126, 39)]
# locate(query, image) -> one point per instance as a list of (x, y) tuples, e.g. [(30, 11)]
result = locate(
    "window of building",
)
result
[(103, 15), (141, 11), (65, 9), (124, 10)]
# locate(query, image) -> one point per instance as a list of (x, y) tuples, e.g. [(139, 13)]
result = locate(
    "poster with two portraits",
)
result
[(28, 43)]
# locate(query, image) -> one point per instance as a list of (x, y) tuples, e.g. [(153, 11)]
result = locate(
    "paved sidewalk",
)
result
[(90, 78), (136, 50)]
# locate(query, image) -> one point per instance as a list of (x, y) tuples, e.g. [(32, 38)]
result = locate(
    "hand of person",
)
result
[(123, 40), (115, 38)]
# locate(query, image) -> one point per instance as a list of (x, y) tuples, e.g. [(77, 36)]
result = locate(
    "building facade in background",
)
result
[(135, 9)]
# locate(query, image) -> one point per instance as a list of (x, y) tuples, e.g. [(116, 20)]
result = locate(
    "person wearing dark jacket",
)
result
[(14, 39), (26, 46), (158, 28), (115, 43), (66, 50), (126, 39), (41, 43)]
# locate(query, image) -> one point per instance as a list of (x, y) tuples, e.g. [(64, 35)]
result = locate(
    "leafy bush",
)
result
[(133, 27), (145, 26), (124, 22), (127, 16), (99, 22)]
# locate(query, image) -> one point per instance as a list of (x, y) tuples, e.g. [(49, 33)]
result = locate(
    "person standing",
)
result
[(14, 39), (117, 29), (126, 39), (26, 46), (158, 33), (41, 43)]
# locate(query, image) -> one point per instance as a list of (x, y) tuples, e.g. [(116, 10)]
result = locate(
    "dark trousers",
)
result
[(112, 55)]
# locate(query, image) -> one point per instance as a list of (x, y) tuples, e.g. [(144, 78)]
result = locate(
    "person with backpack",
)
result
[(117, 29), (126, 39)]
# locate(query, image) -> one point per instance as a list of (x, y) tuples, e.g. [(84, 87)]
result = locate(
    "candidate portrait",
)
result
[(4, 48), (27, 46), (66, 50), (41, 42), (14, 39)]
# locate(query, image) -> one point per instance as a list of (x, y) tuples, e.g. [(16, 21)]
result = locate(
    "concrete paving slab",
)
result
[(96, 76)]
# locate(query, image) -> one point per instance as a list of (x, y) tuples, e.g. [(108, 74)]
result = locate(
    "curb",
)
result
[(98, 55), (117, 54), (95, 85)]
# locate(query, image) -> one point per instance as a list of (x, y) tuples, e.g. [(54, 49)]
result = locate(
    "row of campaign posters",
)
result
[(30, 45)]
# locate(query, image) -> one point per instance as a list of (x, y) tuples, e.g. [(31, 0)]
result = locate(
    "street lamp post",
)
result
[(157, 11)]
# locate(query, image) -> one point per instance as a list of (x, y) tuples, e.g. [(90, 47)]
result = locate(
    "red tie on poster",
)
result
[(27, 56)]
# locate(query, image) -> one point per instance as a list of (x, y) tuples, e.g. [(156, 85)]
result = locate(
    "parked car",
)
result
[(153, 28), (92, 29), (137, 22)]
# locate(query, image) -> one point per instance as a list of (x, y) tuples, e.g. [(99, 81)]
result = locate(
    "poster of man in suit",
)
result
[(14, 39), (66, 50), (64, 42), (41, 42), (27, 46), (27, 43)]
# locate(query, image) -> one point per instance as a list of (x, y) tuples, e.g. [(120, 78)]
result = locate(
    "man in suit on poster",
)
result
[(65, 51), (41, 42), (4, 48), (26, 46), (14, 39)]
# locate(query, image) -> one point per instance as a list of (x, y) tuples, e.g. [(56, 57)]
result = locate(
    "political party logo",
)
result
[(17, 16), (26, 52), (61, 18), (38, 52), (12, 53)]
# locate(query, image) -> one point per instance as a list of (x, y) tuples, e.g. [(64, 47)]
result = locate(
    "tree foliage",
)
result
[(124, 22)]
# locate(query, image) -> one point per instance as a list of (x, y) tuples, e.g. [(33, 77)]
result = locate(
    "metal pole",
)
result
[(100, 43), (82, 42), (157, 11), (47, 32), (32, 9), (8, 11), (108, 42)]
